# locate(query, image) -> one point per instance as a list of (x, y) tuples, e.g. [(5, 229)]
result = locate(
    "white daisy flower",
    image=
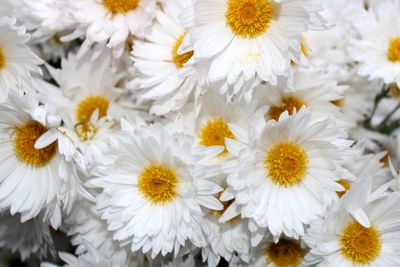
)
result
[(377, 51), (92, 258), (35, 176), (157, 175), (285, 175), (84, 223), (229, 240), (210, 125), (50, 16), (17, 61), (285, 252), (110, 22), (364, 165), (328, 48), (89, 102), (242, 39), (366, 235), (311, 88), (164, 71), (32, 238)]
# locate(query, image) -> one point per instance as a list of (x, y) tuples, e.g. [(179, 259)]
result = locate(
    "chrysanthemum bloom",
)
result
[(311, 88), (328, 48), (285, 252), (17, 61), (32, 238), (377, 50), (84, 224), (163, 71), (154, 192), (88, 100), (285, 175), (91, 258), (242, 39), (229, 240), (364, 233), (34, 177), (110, 22)]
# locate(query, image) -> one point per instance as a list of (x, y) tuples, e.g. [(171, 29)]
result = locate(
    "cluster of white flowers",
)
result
[(200, 132)]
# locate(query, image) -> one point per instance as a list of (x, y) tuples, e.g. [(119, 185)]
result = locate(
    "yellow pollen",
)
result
[(285, 253), (304, 50), (2, 59), (360, 245), (89, 105), (303, 46), (85, 131), (346, 186), (120, 6), (286, 164), (158, 183), (226, 204), (25, 138), (394, 50), (180, 60), (249, 18), (288, 103), (339, 102), (214, 132)]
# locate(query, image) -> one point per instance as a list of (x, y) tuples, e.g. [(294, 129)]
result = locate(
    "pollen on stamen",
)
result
[(25, 138), (214, 132), (158, 183), (249, 18), (84, 111), (2, 59), (285, 253), (120, 6), (393, 53), (180, 59), (286, 164), (288, 103), (89, 105), (359, 244), (346, 186)]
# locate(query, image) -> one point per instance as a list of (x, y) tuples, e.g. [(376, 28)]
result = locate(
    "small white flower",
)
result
[(377, 50), (153, 193), (110, 22), (364, 233), (285, 173), (243, 39), (35, 176), (31, 238), (17, 61)]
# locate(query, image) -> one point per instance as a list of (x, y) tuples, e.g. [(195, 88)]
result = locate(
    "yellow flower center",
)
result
[(288, 103), (180, 60), (394, 50), (249, 18), (158, 183), (2, 59), (87, 106), (84, 111), (25, 138), (120, 6), (346, 186), (226, 204), (85, 131), (214, 132), (286, 164), (359, 244), (285, 253)]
